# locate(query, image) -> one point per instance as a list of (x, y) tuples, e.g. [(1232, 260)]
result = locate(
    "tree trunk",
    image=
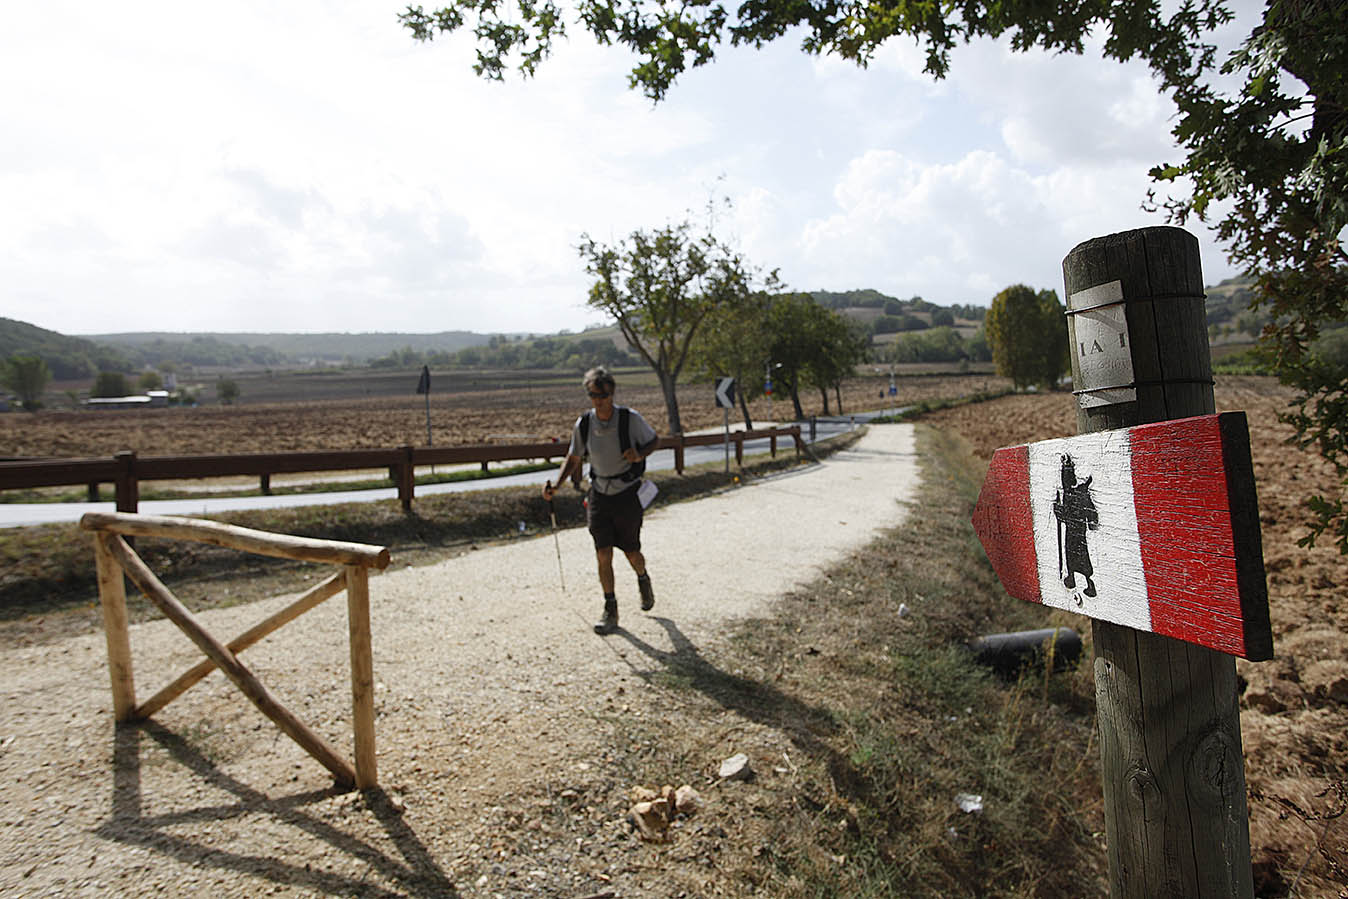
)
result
[(671, 401), (744, 409), (837, 393), (823, 394), (795, 401)]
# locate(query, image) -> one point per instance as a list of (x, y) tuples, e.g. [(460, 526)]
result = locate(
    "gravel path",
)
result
[(492, 692)]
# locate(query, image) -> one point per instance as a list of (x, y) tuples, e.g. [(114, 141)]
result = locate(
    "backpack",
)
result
[(634, 469)]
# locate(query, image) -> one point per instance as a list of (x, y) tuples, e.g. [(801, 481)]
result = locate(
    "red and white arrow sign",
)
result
[(1155, 527)]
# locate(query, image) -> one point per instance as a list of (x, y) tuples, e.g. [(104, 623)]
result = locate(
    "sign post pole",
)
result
[(1172, 767), (725, 398), (424, 387)]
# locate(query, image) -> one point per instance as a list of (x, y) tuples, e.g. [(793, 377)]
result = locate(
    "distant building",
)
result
[(119, 402)]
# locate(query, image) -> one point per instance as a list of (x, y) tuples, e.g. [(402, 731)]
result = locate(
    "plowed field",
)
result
[(1294, 715)]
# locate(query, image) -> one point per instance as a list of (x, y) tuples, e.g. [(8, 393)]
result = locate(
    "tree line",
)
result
[(502, 351)]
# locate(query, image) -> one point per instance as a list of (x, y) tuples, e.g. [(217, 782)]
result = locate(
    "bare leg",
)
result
[(637, 561), (605, 559)]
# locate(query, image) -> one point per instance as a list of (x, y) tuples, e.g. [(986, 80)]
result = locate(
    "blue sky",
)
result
[(306, 166)]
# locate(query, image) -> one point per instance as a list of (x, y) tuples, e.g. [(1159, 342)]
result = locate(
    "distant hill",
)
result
[(886, 318), (1230, 319), (69, 358), (256, 348)]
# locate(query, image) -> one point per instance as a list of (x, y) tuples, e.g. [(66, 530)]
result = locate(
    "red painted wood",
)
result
[(1183, 524), (1194, 499), (1004, 522)]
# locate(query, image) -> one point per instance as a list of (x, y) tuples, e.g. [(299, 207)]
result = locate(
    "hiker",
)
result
[(1075, 511), (617, 441)]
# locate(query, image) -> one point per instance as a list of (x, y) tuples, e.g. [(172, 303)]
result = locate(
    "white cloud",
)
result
[(306, 166)]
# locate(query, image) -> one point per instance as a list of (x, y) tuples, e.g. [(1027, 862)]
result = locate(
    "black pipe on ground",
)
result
[(1009, 654)]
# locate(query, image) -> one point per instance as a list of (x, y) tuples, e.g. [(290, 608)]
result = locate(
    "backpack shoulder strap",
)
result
[(635, 469)]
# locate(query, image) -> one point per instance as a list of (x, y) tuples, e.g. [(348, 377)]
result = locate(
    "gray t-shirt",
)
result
[(605, 451)]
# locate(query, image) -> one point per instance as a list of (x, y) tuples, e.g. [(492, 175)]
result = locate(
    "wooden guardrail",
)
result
[(126, 469), (114, 557)]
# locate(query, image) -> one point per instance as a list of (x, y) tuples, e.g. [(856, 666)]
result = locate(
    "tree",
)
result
[(734, 342), (1028, 336), (28, 377), (659, 287), (1271, 163), (668, 39), (811, 346), (109, 383), (149, 380), (226, 391), (838, 347)]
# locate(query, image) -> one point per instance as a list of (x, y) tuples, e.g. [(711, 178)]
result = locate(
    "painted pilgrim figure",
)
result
[(1075, 512)]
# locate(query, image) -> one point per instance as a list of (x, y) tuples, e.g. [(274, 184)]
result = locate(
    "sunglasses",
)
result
[(598, 396)]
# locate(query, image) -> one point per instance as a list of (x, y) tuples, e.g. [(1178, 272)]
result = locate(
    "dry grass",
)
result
[(888, 720)]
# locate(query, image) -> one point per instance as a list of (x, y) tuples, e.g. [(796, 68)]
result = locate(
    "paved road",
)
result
[(22, 514)]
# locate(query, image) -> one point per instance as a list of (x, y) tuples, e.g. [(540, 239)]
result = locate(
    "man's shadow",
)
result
[(416, 873), (804, 724)]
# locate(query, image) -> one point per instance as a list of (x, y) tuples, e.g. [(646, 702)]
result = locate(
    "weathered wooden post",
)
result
[(1173, 772), (406, 478), (362, 674), (127, 487), (1147, 522), (112, 601)]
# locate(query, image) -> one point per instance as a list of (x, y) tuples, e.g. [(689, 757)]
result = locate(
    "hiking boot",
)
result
[(647, 594), (609, 623)]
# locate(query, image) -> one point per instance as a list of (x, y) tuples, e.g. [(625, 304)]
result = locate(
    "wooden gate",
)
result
[(115, 557)]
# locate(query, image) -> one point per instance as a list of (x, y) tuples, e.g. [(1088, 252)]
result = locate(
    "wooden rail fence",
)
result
[(114, 558), (126, 470)]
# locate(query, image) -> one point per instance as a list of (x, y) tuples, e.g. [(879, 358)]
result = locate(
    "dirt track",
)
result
[(499, 715)]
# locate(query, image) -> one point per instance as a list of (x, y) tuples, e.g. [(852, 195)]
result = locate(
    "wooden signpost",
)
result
[(1153, 532)]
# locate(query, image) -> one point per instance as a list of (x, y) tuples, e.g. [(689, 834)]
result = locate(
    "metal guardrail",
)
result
[(126, 470)]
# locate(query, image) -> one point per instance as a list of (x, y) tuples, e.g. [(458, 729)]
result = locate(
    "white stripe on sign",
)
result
[(1111, 561)]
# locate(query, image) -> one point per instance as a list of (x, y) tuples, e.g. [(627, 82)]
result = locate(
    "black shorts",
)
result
[(615, 520)]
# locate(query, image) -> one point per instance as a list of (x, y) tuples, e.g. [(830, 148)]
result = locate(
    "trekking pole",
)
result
[(556, 543)]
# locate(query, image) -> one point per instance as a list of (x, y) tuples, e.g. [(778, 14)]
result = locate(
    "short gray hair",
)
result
[(599, 376)]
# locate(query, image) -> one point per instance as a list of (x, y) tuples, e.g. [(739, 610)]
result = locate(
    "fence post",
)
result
[(127, 487), (1173, 772), (772, 443), (678, 455), (406, 477), (739, 448), (112, 601), (362, 674), (265, 484)]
